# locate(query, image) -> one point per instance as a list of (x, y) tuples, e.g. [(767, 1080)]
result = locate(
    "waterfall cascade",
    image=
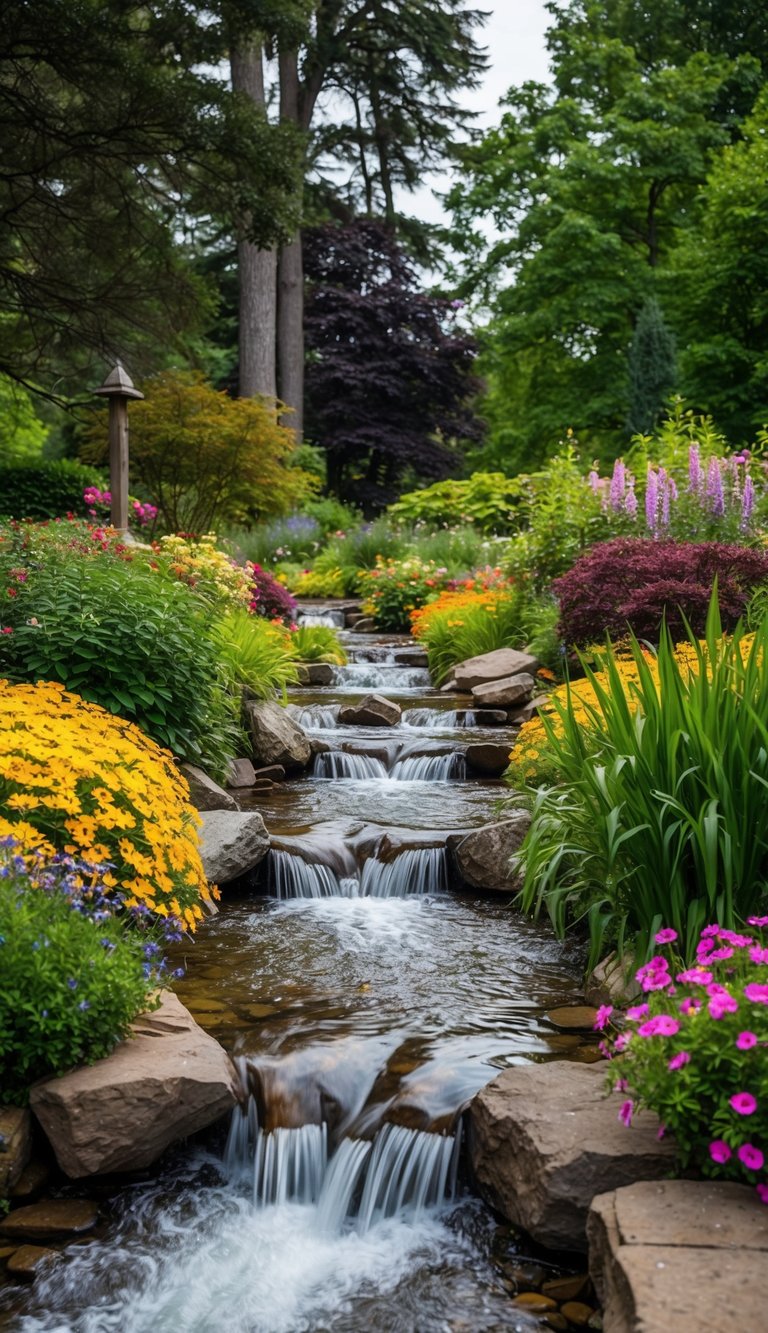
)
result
[(429, 768), (417, 870), (340, 764)]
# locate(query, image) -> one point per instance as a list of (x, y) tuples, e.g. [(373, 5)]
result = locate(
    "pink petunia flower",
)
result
[(756, 992), (690, 1005), (746, 1040), (750, 1157), (661, 1025), (719, 1151), (744, 1103), (665, 936), (720, 1005), (757, 920), (625, 1114), (602, 1016), (695, 976), (758, 955), (677, 1061), (762, 1192), (637, 1011)]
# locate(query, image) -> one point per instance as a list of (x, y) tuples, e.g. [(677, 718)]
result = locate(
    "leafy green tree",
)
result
[(652, 368), (590, 184), (718, 287)]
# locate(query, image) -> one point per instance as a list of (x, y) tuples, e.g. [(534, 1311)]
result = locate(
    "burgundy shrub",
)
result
[(633, 583), (270, 598)]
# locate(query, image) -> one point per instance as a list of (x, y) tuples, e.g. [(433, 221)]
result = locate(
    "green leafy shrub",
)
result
[(317, 643), (693, 1052), (77, 967), (487, 499), (395, 588), (657, 813), (119, 634), (254, 652), (42, 490)]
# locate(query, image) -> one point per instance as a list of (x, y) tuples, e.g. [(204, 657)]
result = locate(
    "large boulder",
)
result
[(483, 858), (545, 1140), (242, 773), (502, 662), (168, 1080), (504, 693), (372, 711), (15, 1145), (680, 1254), (231, 843), (489, 757), (315, 673), (204, 793), (275, 737)]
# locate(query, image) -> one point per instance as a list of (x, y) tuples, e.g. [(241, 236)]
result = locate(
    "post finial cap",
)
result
[(118, 383)]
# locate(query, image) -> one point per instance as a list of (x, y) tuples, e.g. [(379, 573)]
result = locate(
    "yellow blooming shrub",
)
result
[(75, 778), (212, 573)]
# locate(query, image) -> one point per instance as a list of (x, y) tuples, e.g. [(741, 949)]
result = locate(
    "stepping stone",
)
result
[(27, 1262), (51, 1219), (573, 1018)]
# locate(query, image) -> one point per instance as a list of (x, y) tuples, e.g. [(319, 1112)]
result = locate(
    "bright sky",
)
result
[(514, 36)]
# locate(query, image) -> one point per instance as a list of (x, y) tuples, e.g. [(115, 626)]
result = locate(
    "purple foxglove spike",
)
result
[(747, 501), (652, 499)]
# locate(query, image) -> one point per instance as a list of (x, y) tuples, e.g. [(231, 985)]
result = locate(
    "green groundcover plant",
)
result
[(694, 1051), (657, 812), (77, 966), (317, 643)]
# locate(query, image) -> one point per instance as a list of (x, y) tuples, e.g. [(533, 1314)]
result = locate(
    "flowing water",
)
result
[(365, 1001)]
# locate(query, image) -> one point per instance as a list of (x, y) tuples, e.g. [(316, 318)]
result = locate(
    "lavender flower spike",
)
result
[(652, 499), (715, 488), (695, 472), (618, 481), (747, 501)]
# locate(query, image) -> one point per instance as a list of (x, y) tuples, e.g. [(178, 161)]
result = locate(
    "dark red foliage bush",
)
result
[(270, 598), (634, 582)]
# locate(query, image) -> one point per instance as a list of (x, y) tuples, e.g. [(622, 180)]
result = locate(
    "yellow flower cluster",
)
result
[(209, 571), (75, 778), (532, 757), (453, 603)]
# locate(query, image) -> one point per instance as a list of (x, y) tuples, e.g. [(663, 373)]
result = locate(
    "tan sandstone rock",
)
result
[(167, 1081), (545, 1139), (504, 693), (680, 1254), (15, 1145), (372, 711), (276, 738), (204, 793), (492, 666), (482, 858)]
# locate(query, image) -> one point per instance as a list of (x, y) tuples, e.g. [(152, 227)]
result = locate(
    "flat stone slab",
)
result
[(492, 666), (232, 842), (168, 1080), (680, 1254), (482, 858), (504, 693), (50, 1219), (27, 1262), (573, 1017), (545, 1138)]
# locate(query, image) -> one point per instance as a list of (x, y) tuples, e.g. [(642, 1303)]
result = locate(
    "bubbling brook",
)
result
[(365, 1002)]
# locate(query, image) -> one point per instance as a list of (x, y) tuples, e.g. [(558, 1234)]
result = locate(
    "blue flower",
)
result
[(71, 982), (84, 1004)]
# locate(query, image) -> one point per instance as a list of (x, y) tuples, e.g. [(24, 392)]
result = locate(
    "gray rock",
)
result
[(488, 757), (204, 793), (483, 858), (168, 1080), (529, 710), (504, 693), (680, 1254), (489, 717), (372, 711), (315, 673), (241, 773), (546, 1139), (499, 664), (275, 773), (16, 1142), (231, 843), (366, 625), (613, 981), (276, 738)]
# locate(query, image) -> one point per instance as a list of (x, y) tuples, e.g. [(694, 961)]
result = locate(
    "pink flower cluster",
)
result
[(665, 1025), (96, 500)]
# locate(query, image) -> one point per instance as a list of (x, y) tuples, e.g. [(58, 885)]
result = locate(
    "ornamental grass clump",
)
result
[(78, 964), (75, 780), (655, 808), (695, 1051)]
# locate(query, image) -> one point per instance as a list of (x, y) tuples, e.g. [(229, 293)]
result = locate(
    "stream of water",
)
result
[(364, 1003)]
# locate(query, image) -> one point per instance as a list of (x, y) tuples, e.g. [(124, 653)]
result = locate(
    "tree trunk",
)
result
[(290, 276), (256, 269)]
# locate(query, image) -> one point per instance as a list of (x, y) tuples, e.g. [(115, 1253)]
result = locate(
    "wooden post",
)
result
[(118, 387)]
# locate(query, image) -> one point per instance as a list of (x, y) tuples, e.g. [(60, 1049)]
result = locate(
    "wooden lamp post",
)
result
[(118, 387)]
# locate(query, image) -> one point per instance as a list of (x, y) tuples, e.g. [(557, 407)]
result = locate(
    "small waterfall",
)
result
[(332, 619), (290, 876), (368, 676), (316, 716), (417, 870), (430, 768), (339, 764), (400, 1171), (290, 1164), (439, 717)]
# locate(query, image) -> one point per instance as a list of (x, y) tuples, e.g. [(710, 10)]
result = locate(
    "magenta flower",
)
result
[(620, 1085), (661, 1131), (720, 955), (751, 1157), (719, 1151), (625, 1114), (757, 920), (762, 1193), (622, 1041), (743, 1103), (677, 1061), (746, 1040), (689, 1005), (602, 1016), (720, 1005), (665, 936), (756, 992), (758, 955), (661, 1025), (637, 1011), (695, 976), (712, 929)]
